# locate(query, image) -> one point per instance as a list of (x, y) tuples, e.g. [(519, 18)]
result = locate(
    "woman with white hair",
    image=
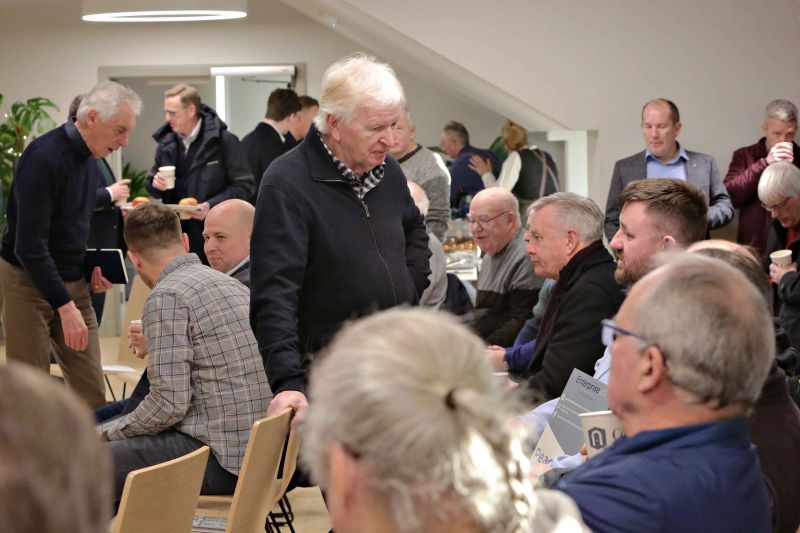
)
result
[(779, 192), (408, 431)]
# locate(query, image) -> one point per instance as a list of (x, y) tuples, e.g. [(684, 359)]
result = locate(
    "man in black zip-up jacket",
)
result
[(336, 234)]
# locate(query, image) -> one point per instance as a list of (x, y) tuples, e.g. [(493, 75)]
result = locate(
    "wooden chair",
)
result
[(289, 465), (251, 502), (162, 498), (125, 366)]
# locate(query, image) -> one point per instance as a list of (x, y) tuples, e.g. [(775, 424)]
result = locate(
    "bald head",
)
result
[(226, 232)]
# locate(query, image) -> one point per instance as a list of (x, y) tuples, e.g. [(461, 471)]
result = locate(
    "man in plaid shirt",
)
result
[(207, 379)]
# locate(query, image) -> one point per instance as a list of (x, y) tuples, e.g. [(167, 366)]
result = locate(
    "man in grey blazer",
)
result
[(664, 157)]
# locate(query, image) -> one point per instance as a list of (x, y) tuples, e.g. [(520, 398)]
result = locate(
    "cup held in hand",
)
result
[(168, 173), (782, 258), (601, 429)]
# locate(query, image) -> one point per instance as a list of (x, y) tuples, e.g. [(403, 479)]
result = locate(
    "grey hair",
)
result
[(574, 212), (354, 82), (778, 182), (409, 119), (713, 327), (105, 98), (411, 394), (782, 110), (47, 486)]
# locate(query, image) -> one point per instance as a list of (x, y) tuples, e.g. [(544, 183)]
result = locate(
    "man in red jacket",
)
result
[(780, 127)]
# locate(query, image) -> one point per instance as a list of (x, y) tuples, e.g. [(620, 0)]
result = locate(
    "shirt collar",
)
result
[(179, 262), (237, 267), (345, 171), (76, 140), (648, 156), (189, 139)]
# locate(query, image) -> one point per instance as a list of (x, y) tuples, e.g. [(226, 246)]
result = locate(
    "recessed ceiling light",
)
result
[(162, 10)]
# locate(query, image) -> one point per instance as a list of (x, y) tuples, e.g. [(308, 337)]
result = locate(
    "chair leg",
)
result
[(289, 513), (110, 388)]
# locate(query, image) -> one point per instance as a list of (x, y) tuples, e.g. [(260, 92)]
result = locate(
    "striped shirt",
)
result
[(206, 374), (361, 185)]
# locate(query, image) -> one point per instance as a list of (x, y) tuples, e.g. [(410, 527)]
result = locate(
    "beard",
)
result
[(632, 272)]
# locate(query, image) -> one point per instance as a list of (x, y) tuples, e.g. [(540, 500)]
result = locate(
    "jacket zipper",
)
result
[(375, 242)]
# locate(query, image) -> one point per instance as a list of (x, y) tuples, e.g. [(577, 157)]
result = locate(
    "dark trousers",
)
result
[(148, 450)]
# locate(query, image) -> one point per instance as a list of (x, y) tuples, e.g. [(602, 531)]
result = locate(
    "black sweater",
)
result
[(49, 209), (319, 256)]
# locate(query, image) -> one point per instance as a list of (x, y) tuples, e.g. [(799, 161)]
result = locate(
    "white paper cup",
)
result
[(601, 429), (168, 173), (782, 258), (136, 323)]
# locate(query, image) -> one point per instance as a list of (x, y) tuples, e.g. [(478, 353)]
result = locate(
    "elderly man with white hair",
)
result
[(691, 345), (565, 243), (336, 233), (46, 304), (779, 192)]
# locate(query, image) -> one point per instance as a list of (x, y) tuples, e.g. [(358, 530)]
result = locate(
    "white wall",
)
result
[(60, 57), (591, 65)]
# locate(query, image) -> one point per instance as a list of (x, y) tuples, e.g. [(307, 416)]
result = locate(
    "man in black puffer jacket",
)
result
[(210, 164)]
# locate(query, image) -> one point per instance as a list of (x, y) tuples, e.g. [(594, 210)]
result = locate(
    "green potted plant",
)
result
[(18, 126), (138, 184)]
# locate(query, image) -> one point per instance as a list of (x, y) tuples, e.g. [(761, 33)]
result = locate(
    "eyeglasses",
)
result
[(611, 330), (482, 221), (776, 207)]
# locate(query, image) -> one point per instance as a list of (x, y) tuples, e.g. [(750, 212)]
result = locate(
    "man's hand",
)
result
[(76, 334), (159, 182), (119, 190), (200, 215), (480, 165), (781, 152), (497, 356), (289, 398), (776, 272), (136, 341), (100, 283)]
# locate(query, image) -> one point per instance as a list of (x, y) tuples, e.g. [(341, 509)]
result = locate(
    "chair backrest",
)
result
[(289, 465), (253, 498), (133, 311), (162, 498)]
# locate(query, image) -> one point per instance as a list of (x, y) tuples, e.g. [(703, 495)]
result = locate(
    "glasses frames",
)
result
[(481, 222)]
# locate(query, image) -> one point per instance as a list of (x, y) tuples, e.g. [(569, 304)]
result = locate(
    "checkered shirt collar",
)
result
[(369, 180)]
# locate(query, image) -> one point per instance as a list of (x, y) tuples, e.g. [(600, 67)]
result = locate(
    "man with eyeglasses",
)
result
[(779, 192), (656, 215), (749, 163), (210, 163), (692, 345), (507, 286)]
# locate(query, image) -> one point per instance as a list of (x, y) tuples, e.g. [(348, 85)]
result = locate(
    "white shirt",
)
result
[(189, 139)]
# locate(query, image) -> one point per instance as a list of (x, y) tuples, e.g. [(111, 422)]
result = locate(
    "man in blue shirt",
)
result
[(664, 157), (691, 346), (464, 182)]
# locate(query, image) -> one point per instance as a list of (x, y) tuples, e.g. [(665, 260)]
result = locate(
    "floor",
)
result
[(310, 515)]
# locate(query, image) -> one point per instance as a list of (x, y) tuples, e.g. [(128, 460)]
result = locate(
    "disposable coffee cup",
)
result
[(168, 173), (136, 323), (601, 429), (782, 258)]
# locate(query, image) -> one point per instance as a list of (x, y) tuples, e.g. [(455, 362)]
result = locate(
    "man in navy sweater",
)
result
[(45, 300)]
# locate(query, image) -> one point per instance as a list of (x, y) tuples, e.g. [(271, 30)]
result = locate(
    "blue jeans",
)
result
[(148, 450)]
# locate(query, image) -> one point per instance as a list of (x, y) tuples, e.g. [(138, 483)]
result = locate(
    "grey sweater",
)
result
[(420, 166)]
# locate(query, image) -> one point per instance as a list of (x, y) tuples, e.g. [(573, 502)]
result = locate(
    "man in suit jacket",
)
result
[(664, 157), (268, 141)]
